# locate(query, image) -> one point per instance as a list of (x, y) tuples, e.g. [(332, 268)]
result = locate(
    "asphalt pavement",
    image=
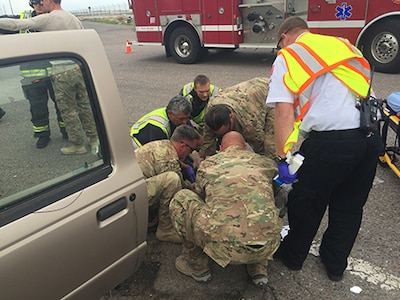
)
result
[(148, 80)]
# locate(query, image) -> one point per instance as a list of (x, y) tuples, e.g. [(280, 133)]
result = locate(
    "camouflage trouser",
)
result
[(187, 210), (73, 103), (160, 190)]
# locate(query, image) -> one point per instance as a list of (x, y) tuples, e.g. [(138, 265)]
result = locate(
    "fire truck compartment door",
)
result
[(147, 21), (218, 21)]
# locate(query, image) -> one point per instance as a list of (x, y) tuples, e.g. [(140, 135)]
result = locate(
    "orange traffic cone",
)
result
[(128, 48)]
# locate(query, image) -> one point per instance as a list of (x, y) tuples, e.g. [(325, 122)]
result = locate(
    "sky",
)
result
[(69, 5)]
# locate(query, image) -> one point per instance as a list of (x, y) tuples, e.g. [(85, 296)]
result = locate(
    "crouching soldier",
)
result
[(232, 217)]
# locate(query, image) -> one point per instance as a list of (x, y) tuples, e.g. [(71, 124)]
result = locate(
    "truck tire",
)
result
[(381, 46), (185, 46)]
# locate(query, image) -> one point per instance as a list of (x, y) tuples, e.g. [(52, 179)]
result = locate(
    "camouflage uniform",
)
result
[(252, 118), (160, 165), (160, 190), (232, 217), (73, 102), (157, 157)]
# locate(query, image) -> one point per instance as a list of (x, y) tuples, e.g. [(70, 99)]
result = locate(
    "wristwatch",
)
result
[(279, 159)]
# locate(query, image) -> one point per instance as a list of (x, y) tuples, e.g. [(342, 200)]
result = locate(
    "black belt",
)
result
[(337, 134)]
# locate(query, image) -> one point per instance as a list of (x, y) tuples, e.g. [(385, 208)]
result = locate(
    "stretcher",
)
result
[(391, 151)]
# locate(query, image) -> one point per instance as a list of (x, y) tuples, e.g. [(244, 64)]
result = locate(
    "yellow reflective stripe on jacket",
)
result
[(158, 118), (200, 117), (136, 141), (214, 90), (293, 137), (41, 128), (187, 88), (25, 14), (312, 56), (34, 73)]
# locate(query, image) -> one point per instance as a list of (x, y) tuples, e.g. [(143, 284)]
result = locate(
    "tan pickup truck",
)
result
[(71, 226)]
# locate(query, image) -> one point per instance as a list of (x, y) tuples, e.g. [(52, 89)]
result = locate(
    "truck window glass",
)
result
[(27, 91)]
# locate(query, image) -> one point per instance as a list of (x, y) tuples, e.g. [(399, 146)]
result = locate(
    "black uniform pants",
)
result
[(337, 173), (38, 93)]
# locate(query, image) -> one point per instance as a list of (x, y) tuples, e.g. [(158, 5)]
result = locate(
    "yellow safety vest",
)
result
[(25, 14), (187, 88), (158, 118), (36, 73), (311, 56)]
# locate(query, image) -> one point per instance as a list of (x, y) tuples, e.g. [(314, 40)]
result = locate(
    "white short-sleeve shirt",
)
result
[(332, 104)]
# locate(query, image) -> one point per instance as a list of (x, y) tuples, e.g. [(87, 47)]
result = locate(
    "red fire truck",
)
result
[(187, 28)]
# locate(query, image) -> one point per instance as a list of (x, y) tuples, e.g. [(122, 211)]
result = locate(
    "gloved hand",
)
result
[(191, 174), (284, 175)]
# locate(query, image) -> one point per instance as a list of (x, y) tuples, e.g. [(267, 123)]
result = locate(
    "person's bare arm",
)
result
[(283, 125)]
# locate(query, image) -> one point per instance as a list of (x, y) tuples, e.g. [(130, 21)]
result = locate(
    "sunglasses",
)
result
[(278, 47), (190, 147)]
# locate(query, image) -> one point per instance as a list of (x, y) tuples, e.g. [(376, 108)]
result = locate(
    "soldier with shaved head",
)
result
[(232, 217)]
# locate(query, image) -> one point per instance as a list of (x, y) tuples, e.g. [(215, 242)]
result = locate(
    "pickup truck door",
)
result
[(71, 226)]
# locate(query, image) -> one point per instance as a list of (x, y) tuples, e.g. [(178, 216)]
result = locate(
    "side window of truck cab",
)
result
[(52, 135), (73, 201)]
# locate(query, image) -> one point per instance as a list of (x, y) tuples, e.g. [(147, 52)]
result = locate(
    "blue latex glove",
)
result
[(191, 174), (284, 175)]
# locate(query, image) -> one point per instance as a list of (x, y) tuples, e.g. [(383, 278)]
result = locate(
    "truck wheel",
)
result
[(185, 46), (381, 47)]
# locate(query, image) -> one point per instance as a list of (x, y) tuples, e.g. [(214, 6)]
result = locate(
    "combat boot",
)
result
[(193, 262), (42, 142), (166, 231), (258, 273), (74, 149)]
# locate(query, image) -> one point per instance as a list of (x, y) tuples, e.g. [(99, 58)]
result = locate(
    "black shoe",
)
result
[(42, 142), (2, 113), (334, 277), (279, 256)]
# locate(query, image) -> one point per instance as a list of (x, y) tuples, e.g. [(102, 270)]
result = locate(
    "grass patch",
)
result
[(117, 20)]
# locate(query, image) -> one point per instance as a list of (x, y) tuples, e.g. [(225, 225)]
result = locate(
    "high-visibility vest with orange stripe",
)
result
[(158, 118), (313, 55)]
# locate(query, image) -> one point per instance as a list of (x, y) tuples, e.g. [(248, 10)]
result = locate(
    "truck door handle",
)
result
[(111, 209)]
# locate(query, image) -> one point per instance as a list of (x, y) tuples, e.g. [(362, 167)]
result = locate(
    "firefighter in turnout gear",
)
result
[(199, 92), (37, 88)]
